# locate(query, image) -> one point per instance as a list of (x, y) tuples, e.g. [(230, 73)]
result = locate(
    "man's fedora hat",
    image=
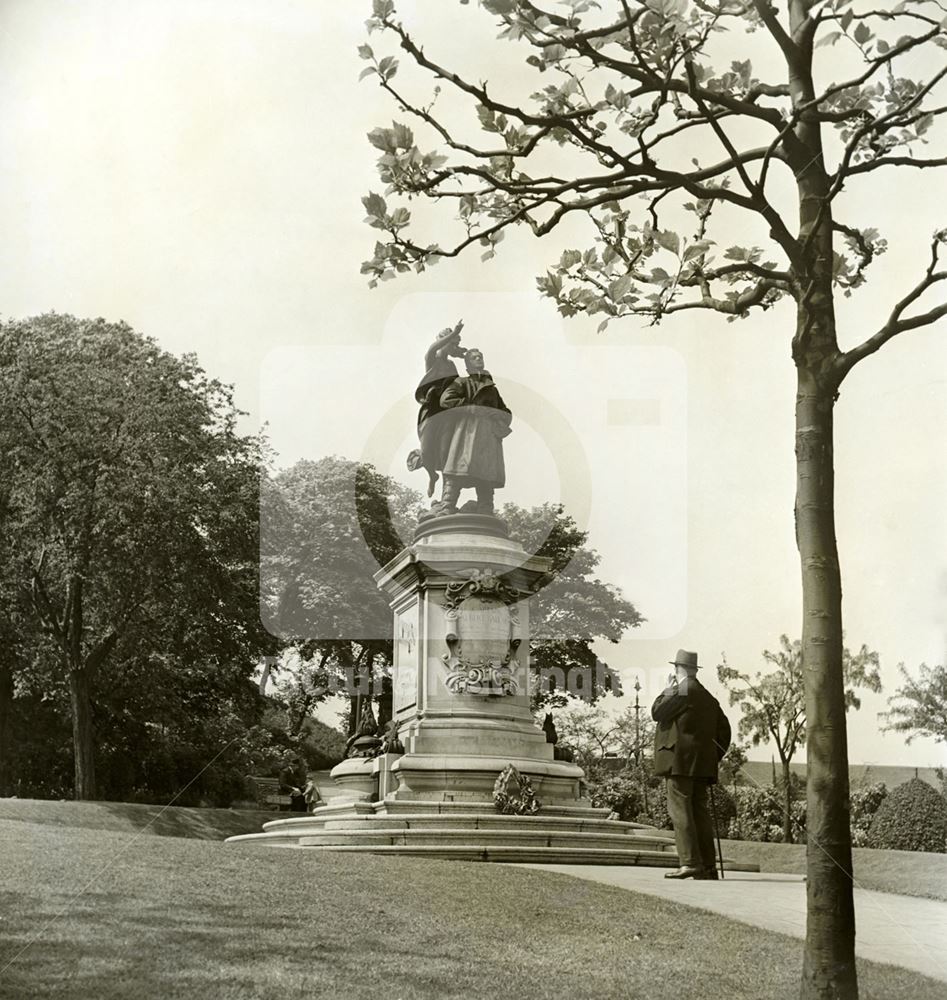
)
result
[(685, 658)]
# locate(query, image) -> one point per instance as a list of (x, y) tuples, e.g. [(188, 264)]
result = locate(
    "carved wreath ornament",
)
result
[(483, 634)]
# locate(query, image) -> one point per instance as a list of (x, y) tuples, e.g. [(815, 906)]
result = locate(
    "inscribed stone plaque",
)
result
[(406, 658), (484, 628)]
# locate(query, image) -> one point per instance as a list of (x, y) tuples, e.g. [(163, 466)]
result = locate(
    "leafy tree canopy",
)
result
[(625, 94), (328, 525), (773, 703), (919, 706), (593, 734), (574, 609), (131, 517)]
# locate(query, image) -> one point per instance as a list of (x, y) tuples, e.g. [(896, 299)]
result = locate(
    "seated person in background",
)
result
[(311, 795), (292, 777)]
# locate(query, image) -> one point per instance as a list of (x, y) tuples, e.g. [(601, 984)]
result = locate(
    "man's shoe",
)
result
[(685, 872), (707, 875)]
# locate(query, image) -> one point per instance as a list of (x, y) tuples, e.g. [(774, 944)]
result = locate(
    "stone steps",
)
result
[(494, 822), (485, 838), (468, 831), (480, 807), (521, 855), (485, 826)]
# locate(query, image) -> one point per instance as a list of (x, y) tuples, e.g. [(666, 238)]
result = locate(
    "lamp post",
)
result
[(644, 780), (637, 724)]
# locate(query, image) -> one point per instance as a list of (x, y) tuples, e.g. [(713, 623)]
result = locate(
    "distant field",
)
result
[(911, 873), (760, 772), (93, 913)]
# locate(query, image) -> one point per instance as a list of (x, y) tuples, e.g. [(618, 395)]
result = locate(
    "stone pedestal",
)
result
[(461, 686), (357, 777)]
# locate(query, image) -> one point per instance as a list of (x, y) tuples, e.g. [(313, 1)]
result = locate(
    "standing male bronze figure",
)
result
[(692, 735), (462, 421)]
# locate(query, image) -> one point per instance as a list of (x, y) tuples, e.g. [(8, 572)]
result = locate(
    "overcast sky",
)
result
[(195, 168)]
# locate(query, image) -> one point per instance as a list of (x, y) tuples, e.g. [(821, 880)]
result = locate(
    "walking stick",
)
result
[(713, 812)]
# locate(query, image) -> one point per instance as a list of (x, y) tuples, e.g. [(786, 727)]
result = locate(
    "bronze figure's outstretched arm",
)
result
[(447, 343)]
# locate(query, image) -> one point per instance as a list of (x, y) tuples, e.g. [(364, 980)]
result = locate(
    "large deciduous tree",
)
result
[(630, 98), (131, 503), (774, 703), (328, 525), (572, 611)]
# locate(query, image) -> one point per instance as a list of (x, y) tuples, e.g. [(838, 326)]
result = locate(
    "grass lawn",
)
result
[(162, 821), (911, 873), (108, 914)]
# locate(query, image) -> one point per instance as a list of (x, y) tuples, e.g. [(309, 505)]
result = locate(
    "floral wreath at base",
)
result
[(513, 793)]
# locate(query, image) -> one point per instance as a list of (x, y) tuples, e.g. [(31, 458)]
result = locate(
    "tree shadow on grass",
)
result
[(179, 821), (132, 817), (103, 948)]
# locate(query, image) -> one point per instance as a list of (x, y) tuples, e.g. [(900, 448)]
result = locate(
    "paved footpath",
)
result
[(895, 930)]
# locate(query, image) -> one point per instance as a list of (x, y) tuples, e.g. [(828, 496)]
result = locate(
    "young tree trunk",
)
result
[(6, 722), (355, 713), (787, 802), (829, 963), (828, 971), (296, 724), (82, 735)]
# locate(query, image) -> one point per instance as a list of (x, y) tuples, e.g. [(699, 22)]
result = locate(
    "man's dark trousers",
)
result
[(693, 826)]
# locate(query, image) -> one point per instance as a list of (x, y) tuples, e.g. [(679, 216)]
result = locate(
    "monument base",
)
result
[(466, 831)]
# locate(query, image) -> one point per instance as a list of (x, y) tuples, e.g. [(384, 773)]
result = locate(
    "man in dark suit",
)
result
[(292, 777), (692, 735)]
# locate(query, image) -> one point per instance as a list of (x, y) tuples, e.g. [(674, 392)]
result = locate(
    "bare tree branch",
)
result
[(895, 161), (896, 322)]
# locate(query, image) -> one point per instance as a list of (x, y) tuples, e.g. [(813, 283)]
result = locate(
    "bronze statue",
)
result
[(365, 741), (462, 421), (391, 742)]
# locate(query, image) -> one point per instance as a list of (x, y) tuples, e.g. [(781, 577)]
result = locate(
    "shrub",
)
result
[(865, 803), (759, 815), (620, 791), (913, 817), (797, 785), (797, 817), (725, 809), (624, 792), (657, 814)]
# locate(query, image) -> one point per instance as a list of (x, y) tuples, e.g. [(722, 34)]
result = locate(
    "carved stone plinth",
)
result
[(460, 598)]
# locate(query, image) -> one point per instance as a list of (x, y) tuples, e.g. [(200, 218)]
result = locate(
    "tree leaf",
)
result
[(620, 287), (375, 205), (668, 240), (381, 138), (402, 136)]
